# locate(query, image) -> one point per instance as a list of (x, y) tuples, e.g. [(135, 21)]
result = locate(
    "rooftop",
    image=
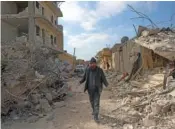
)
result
[(161, 41)]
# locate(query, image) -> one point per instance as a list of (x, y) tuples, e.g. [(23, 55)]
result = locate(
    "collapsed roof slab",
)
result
[(162, 43)]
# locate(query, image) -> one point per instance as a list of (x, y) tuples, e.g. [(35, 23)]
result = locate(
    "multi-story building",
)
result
[(37, 20)]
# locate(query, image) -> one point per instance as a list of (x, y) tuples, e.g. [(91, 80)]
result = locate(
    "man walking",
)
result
[(95, 78)]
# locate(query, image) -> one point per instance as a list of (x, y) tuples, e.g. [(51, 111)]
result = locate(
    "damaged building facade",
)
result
[(33, 21), (33, 57), (124, 54), (155, 45)]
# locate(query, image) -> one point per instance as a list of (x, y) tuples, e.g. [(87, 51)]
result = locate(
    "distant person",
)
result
[(108, 66), (95, 78)]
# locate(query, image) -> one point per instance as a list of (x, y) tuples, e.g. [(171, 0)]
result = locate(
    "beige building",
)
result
[(104, 56), (35, 21), (66, 57), (123, 56)]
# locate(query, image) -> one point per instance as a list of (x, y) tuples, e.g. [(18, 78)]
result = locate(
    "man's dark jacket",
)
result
[(99, 78)]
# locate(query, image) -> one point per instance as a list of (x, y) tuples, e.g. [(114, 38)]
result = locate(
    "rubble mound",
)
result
[(32, 80), (143, 103), (161, 41)]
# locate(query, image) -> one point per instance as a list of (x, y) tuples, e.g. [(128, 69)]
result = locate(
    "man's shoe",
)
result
[(96, 119)]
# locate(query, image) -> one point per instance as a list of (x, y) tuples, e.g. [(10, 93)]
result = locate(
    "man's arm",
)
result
[(104, 78), (84, 77)]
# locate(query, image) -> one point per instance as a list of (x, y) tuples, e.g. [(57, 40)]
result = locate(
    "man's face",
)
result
[(93, 65)]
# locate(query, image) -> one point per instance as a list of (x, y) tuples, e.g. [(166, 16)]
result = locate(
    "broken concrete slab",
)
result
[(128, 126), (149, 122), (156, 108), (160, 42), (35, 98), (49, 97), (45, 107)]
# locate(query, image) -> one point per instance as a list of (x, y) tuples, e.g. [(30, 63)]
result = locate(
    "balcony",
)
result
[(46, 21), (54, 7), (60, 28)]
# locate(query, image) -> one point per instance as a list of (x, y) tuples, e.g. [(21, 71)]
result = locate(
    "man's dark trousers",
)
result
[(94, 97)]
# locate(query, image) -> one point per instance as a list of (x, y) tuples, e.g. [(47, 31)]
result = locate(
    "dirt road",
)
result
[(73, 113)]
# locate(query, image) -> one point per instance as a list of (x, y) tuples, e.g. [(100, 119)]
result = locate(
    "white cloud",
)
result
[(65, 32), (87, 40), (110, 8), (87, 44), (88, 18), (73, 12)]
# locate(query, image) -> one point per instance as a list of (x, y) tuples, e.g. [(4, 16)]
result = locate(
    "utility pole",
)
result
[(74, 51), (74, 59)]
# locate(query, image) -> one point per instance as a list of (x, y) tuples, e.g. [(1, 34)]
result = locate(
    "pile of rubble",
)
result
[(33, 80), (142, 103), (161, 41)]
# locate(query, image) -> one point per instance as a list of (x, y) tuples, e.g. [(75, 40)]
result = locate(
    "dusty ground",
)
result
[(73, 113), (134, 105)]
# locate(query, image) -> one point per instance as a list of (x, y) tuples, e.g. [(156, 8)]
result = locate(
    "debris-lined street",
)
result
[(133, 105), (74, 112), (54, 70)]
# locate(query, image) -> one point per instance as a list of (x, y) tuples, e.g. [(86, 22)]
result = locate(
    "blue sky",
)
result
[(90, 26)]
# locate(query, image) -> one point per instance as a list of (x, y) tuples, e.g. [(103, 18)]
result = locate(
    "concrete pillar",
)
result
[(60, 41), (31, 22)]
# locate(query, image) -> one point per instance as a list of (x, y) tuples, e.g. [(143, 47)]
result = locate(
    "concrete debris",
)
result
[(142, 103), (21, 39), (39, 75), (74, 110), (37, 107), (49, 97), (160, 41), (45, 107), (32, 79), (127, 126), (156, 108), (149, 121), (35, 98), (14, 115), (33, 119)]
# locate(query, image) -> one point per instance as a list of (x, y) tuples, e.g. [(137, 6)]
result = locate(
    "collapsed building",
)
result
[(160, 42), (141, 102), (156, 48), (38, 21), (33, 75)]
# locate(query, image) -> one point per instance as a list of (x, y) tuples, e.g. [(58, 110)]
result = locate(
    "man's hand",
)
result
[(80, 82), (106, 85)]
